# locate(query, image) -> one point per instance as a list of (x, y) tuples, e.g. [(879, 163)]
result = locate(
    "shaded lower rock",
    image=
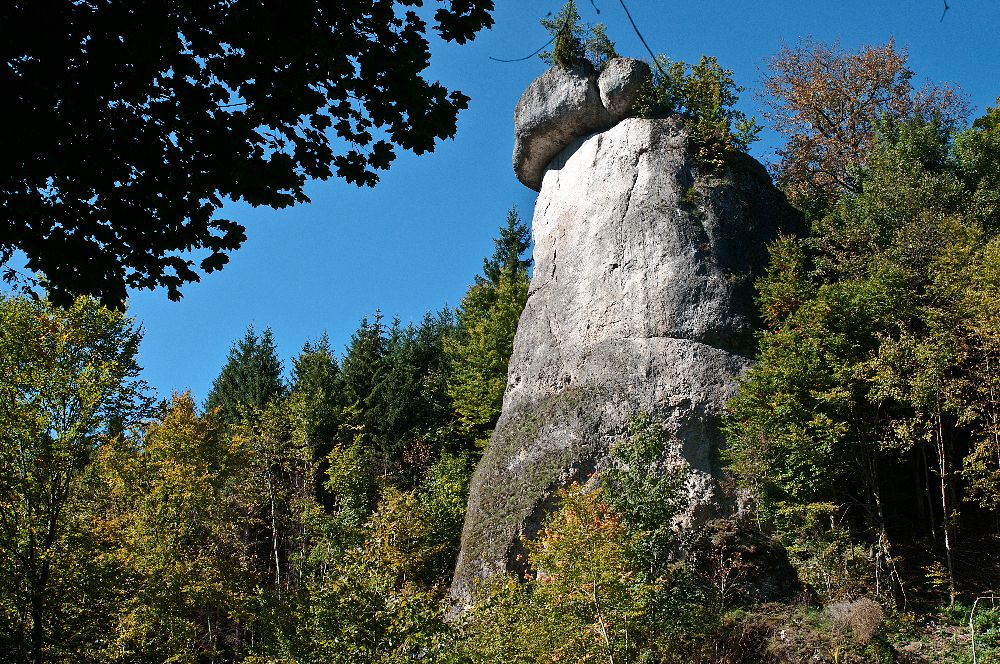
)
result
[(641, 303), (746, 566)]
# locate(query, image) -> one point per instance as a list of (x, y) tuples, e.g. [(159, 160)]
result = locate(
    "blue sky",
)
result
[(414, 242)]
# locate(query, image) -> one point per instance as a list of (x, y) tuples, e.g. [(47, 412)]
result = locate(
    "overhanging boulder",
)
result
[(564, 104)]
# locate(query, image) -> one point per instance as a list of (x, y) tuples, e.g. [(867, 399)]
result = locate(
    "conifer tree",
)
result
[(393, 380), (315, 390), (412, 397), (316, 367), (363, 372), (568, 36), (362, 366), (575, 42), (481, 347), (250, 378), (513, 241)]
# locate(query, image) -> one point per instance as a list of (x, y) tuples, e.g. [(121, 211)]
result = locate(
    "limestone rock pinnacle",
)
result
[(641, 303)]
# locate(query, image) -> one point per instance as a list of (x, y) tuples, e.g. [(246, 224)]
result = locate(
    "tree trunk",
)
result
[(945, 492), (603, 627), (918, 493), (274, 536), (883, 545), (37, 627), (927, 491)]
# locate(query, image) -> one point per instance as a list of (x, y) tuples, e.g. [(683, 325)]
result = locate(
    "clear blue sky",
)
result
[(414, 242)]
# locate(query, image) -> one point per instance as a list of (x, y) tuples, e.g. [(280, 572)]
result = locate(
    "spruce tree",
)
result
[(481, 347), (316, 390), (576, 42), (250, 378), (412, 403), (362, 367), (569, 35), (394, 381), (511, 244), (316, 367)]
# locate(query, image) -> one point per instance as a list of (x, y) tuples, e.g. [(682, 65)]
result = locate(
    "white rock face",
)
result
[(641, 302)]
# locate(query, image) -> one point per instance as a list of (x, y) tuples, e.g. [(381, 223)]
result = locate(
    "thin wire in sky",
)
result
[(539, 49), (641, 38)]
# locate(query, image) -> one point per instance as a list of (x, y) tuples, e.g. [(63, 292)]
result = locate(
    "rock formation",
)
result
[(641, 302), (563, 104)]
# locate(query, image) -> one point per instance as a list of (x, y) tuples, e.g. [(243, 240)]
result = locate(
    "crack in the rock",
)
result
[(654, 337), (597, 149), (552, 332), (628, 205), (635, 180)]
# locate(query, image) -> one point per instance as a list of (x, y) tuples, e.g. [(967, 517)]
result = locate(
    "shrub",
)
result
[(862, 617), (706, 95)]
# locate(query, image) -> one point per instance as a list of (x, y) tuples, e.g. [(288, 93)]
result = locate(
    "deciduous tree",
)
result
[(174, 534), (827, 102), (70, 384), (878, 348)]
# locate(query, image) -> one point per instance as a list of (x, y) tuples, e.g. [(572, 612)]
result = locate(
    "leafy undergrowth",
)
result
[(945, 635), (845, 632), (859, 631)]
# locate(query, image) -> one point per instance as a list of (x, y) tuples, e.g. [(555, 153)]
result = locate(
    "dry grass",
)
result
[(861, 617)]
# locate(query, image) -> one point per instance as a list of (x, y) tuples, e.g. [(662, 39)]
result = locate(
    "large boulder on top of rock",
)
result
[(641, 303), (620, 83), (560, 105), (564, 104)]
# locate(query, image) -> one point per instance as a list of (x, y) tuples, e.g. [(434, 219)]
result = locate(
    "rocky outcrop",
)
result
[(756, 565), (565, 103), (641, 302)]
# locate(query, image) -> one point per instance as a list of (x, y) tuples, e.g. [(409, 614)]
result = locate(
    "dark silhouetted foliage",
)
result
[(137, 121)]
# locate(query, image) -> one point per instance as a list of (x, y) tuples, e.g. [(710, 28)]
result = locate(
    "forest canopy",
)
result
[(305, 517), (311, 510)]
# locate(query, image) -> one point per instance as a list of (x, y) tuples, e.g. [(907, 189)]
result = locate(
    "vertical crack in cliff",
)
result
[(635, 180), (597, 150), (629, 195)]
